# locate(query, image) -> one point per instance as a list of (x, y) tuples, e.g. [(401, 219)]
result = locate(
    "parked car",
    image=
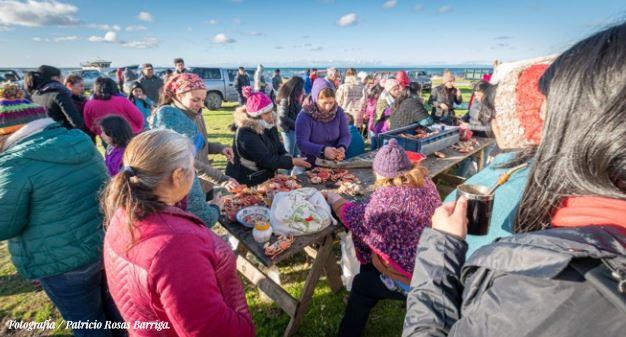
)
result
[(423, 78), (220, 84), (11, 75)]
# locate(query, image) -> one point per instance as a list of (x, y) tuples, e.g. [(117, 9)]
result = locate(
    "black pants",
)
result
[(367, 290)]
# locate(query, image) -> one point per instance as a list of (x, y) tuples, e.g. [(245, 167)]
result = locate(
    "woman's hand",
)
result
[(300, 162), (228, 153), (451, 218), (341, 154), (331, 197), (330, 153), (459, 92), (232, 185), (219, 202)]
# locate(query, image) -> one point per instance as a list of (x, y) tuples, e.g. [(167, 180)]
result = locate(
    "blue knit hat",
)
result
[(391, 160)]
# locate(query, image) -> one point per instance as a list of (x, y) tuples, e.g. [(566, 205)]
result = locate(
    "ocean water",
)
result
[(300, 71)]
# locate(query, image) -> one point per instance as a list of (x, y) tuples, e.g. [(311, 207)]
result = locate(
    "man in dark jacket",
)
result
[(241, 80), (151, 84), (54, 96)]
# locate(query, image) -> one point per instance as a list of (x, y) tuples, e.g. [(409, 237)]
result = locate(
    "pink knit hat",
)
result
[(181, 83), (257, 103), (391, 160), (389, 83)]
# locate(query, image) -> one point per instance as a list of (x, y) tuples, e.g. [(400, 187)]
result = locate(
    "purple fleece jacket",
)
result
[(113, 159), (312, 136)]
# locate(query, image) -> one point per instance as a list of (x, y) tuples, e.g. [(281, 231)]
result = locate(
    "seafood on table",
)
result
[(321, 175), (351, 189), (420, 133), (279, 246), (466, 146), (257, 196)]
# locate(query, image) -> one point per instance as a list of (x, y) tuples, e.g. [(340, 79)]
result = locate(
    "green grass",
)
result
[(20, 301)]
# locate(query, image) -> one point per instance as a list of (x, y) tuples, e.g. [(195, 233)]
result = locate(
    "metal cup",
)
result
[(479, 207)]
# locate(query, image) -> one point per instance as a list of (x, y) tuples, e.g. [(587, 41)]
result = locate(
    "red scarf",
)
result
[(589, 211)]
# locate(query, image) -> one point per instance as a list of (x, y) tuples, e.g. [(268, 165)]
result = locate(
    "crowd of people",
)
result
[(128, 237)]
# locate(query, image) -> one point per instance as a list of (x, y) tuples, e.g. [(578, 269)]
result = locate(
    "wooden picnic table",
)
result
[(318, 245)]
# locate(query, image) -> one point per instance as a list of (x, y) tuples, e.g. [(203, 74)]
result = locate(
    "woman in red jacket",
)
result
[(167, 272), (107, 101)]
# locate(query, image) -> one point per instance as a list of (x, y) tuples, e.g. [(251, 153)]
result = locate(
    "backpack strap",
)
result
[(607, 276)]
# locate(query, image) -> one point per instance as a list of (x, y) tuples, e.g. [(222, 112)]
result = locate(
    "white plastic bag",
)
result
[(350, 265), (300, 212)]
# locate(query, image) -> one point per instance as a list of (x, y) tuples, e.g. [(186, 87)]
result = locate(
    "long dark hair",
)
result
[(291, 90), (582, 151), (33, 80), (118, 129), (104, 88)]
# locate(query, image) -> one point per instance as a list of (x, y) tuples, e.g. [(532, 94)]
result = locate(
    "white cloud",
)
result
[(144, 16), (213, 22), (236, 1), (222, 39), (347, 20), (318, 48), (55, 39), (444, 9), (104, 27), (256, 34), (147, 43), (279, 47), (34, 13), (390, 4), (65, 38), (237, 21), (108, 37), (418, 7), (135, 28)]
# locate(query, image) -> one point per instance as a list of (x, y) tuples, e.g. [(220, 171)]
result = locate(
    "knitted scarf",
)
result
[(310, 107)]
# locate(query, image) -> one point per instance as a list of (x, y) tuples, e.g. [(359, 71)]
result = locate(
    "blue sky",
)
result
[(296, 32)]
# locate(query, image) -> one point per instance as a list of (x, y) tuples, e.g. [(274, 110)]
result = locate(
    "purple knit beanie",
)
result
[(318, 85), (391, 160)]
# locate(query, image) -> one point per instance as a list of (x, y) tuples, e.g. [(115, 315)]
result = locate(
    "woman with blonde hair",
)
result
[(385, 230), (162, 263)]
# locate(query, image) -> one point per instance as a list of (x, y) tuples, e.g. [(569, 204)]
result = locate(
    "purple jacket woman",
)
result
[(316, 130)]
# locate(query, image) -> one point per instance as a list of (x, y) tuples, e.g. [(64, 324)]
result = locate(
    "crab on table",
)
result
[(282, 244)]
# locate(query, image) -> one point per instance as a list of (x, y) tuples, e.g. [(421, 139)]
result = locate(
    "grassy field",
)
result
[(20, 301)]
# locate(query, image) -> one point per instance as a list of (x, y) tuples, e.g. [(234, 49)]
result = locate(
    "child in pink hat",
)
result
[(259, 152)]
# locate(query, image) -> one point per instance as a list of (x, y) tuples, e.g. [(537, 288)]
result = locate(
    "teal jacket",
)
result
[(49, 212), (357, 144), (505, 203), (170, 117)]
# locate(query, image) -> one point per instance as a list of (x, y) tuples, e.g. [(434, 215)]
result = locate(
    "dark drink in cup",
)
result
[(479, 206)]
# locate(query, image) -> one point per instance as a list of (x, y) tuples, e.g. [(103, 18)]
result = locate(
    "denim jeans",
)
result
[(82, 295), (373, 140), (289, 140)]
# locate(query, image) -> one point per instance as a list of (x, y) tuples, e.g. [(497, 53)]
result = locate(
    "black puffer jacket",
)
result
[(58, 102), (546, 283), (258, 152)]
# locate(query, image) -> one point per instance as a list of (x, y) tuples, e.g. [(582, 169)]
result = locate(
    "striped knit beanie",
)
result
[(16, 111), (518, 102)]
